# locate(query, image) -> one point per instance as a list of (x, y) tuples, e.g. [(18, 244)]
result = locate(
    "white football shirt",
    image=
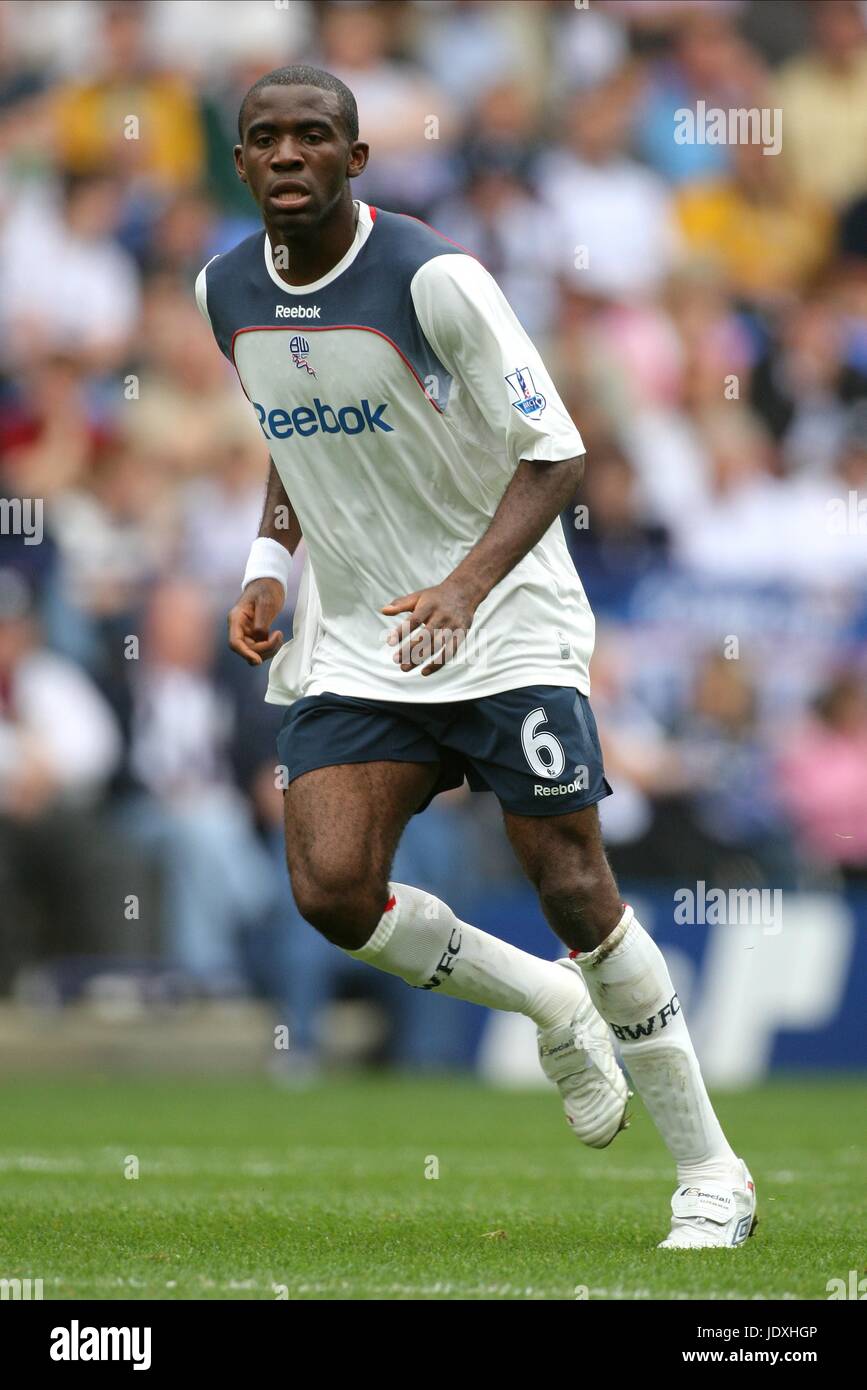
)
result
[(397, 396)]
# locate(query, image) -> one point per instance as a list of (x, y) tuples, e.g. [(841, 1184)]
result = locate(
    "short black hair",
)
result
[(300, 75)]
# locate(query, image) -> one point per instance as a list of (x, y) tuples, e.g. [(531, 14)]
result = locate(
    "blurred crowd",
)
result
[(702, 307)]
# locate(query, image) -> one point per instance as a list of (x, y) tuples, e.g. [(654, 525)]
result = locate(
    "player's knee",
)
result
[(581, 903), (345, 907)]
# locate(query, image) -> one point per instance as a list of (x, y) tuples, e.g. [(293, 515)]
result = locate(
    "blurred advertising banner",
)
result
[(770, 980)]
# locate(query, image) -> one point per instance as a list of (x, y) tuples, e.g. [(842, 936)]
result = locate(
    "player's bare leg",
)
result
[(343, 825), (628, 980)]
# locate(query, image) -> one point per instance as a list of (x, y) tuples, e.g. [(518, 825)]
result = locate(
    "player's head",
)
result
[(298, 128)]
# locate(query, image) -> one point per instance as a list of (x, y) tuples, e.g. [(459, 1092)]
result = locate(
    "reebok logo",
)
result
[(297, 311), (559, 789), (304, 420), (629, 1032)]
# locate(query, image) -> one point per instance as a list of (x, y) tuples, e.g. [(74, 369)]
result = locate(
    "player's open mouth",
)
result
[(291, 196)]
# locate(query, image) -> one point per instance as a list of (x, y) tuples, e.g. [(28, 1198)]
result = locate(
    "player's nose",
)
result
[(287, 154)]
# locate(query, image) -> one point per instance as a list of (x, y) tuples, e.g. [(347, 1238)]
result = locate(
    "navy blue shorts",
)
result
[(535, 748)]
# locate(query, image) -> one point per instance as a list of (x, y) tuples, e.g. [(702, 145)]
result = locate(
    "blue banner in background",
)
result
[(767, 983)]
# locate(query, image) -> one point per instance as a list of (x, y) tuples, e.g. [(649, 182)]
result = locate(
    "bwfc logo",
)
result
[(529, 402), (300, 348), (627, 1032), (446, 963)]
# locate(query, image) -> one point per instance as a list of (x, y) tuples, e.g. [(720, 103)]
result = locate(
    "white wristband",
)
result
[(268, 559)]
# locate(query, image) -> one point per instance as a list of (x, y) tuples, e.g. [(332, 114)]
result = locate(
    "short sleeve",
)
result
[(474, 332)]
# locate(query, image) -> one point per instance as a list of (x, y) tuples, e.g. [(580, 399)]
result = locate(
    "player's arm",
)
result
[(263, 596), (475, 334), (535, 497)]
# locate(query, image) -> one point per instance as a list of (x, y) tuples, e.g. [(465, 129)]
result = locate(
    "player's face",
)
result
[(296, 157)]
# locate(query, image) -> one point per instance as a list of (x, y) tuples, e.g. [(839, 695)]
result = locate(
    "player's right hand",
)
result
[(251, 619)]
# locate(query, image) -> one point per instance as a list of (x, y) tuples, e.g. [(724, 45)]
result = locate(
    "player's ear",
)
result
[(239, 163), (358, 157)]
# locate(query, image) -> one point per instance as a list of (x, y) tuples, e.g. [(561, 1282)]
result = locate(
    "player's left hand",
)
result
[(437, 625)]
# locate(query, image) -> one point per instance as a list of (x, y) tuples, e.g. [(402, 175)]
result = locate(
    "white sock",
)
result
[(420, 939), (630, 985)]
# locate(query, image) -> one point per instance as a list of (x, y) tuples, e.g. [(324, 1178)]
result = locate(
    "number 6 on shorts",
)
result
[(535, 743)]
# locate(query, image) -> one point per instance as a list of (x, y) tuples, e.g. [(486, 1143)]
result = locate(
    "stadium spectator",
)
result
[(803, 387), (587, 54), (130, 116), (617, 237), (65, 283), (823, 97), (115, 532), (472, 46), (767, 237), (59, 745), (729, 821), (495, 214), (732, 533), (183, 406), (182, 802), (709, 62), (612, 544), (407, 120), (59, 741), (50, 429), (822, 779), (643, 766)]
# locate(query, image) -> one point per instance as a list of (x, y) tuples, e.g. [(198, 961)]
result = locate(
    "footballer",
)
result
[(419, 447)]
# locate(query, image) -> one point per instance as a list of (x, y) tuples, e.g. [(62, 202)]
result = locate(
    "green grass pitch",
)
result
[(247, 1191)]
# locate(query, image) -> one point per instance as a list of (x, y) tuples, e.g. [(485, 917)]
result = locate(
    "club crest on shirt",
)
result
[(299, 346), (529, 402)]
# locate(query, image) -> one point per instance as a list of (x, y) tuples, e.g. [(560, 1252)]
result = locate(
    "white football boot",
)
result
[(579, 1058), (711, 1216)]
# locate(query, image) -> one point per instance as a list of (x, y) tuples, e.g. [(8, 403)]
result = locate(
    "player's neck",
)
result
[(304, 259)]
